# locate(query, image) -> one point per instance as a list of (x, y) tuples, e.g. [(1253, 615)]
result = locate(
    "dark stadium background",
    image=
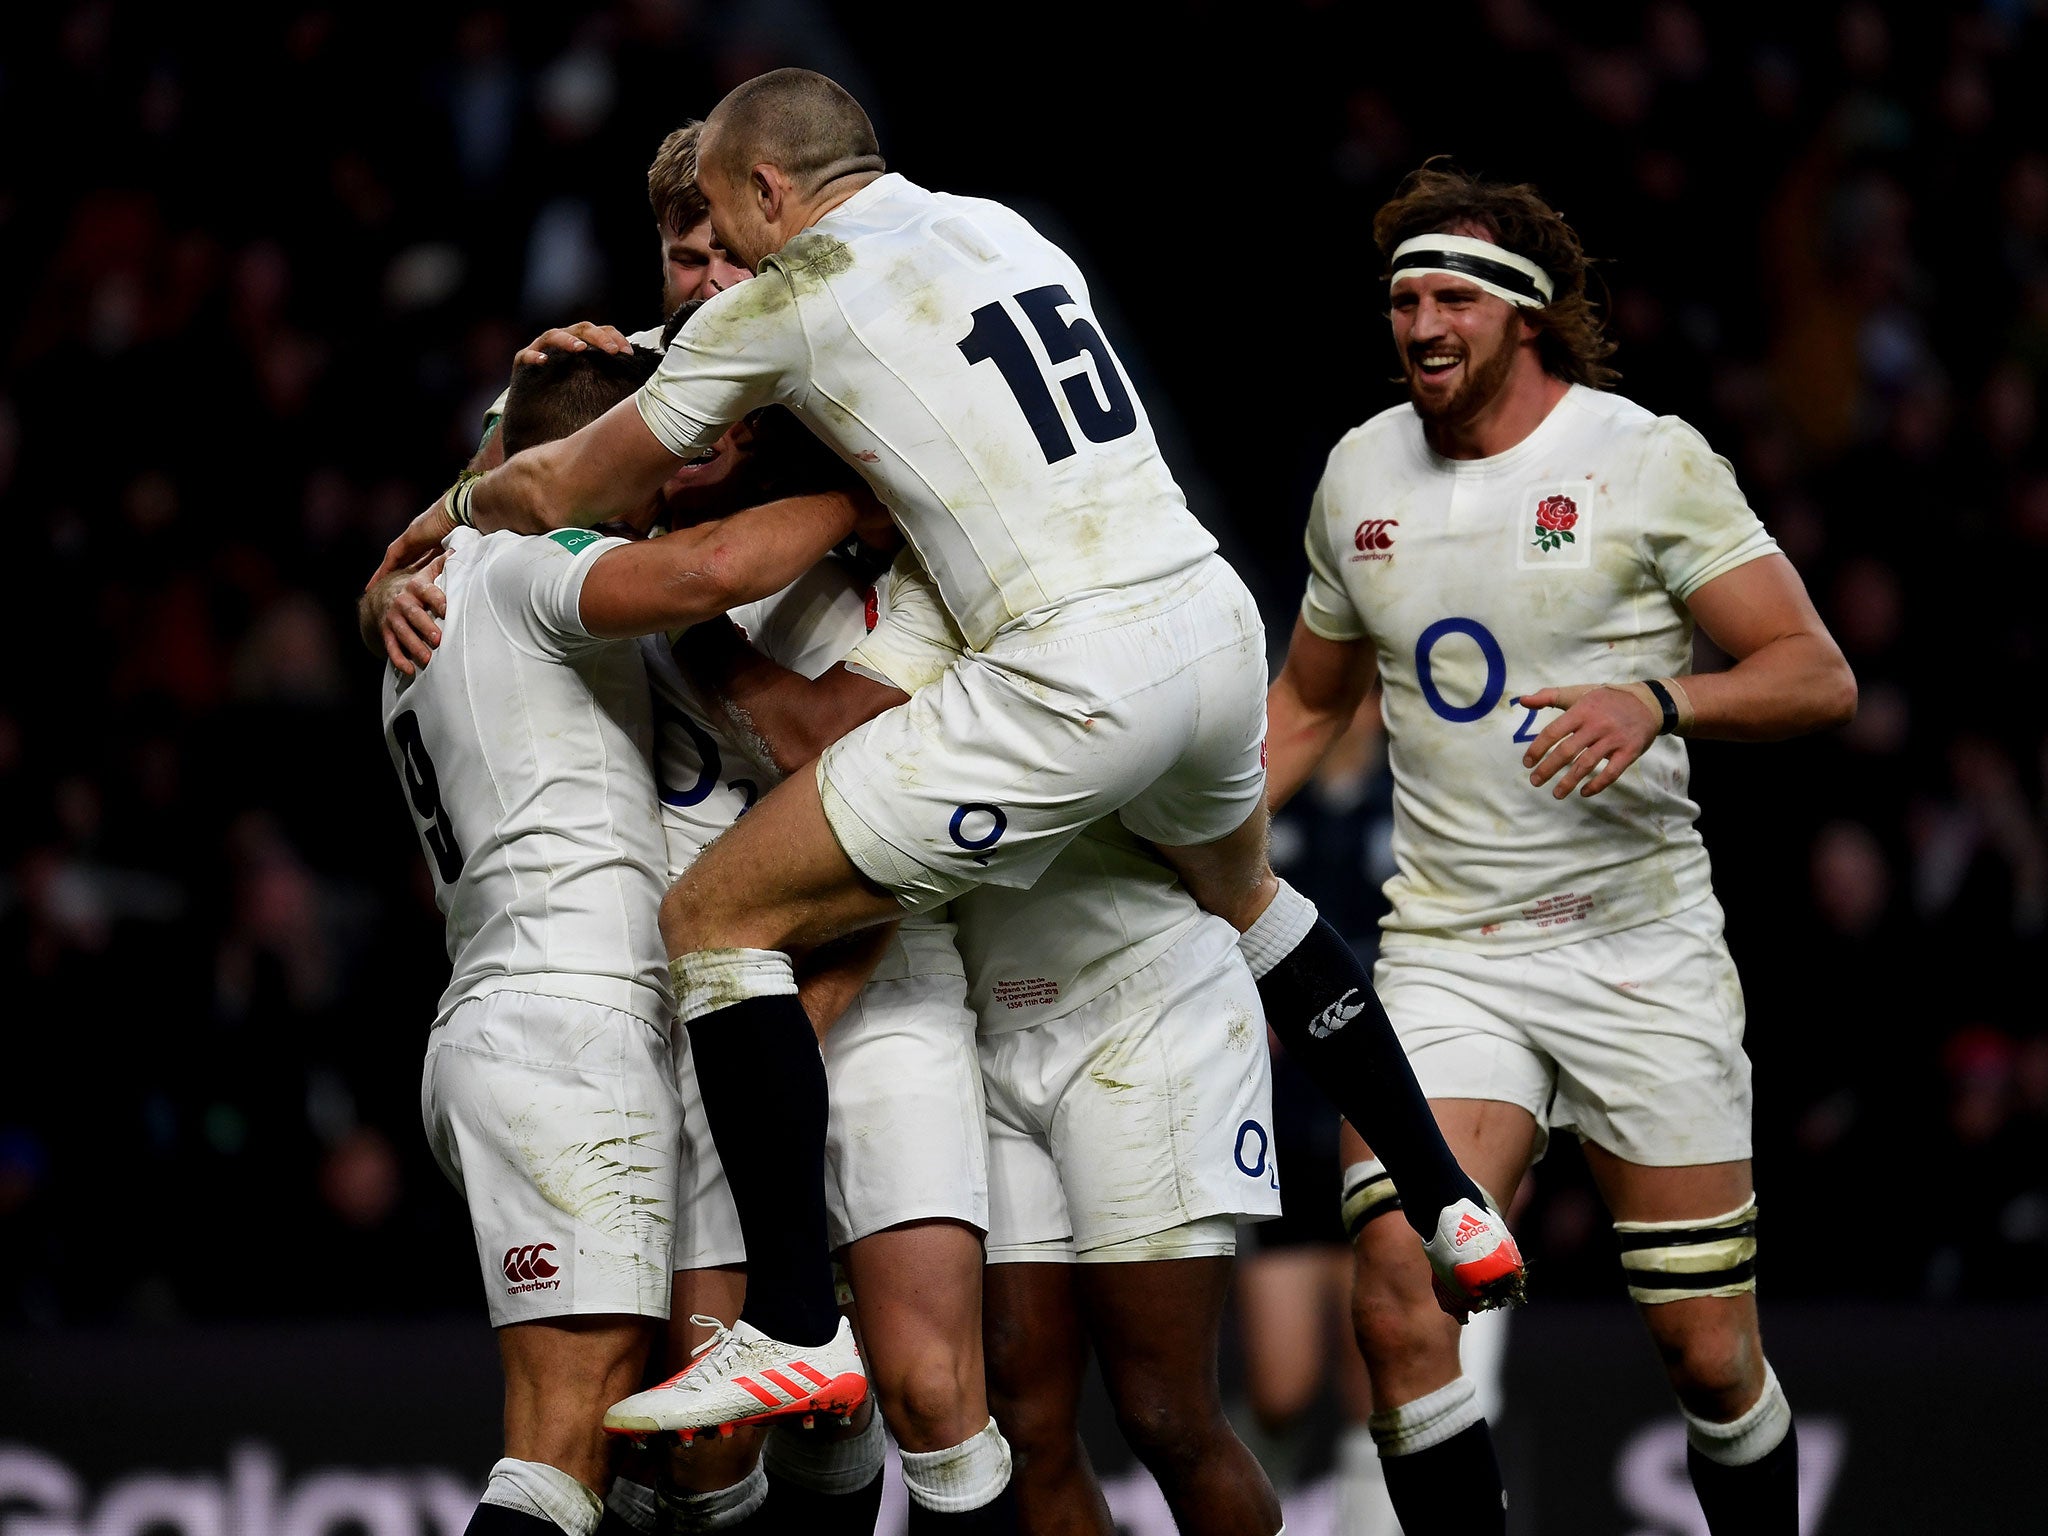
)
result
[(261, 269)]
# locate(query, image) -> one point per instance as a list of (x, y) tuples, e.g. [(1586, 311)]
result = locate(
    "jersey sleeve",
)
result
[(541, 583), (1326, 607), (743, 350), (1696, 522), (913, 641)]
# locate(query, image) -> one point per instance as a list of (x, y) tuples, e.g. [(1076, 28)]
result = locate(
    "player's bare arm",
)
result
[(606, 470), (697, 573), (1789, 678), (1319, 689), (794, 717)]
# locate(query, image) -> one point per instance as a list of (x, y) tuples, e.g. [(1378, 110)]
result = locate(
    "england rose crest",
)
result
[(1555, 518)]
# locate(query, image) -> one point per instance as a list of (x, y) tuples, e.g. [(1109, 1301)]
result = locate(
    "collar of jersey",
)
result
[(1509, 460), (880, 189)]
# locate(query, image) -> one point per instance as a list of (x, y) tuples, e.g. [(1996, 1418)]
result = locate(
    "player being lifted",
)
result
[(1116, 665), (1521, 559), (1129, 1111)]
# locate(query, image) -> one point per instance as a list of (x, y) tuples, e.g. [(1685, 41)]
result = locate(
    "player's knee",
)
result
[(1037, 1424), (930, 1402), (1395, 1327), (1169, 1429), (1715, 1367)]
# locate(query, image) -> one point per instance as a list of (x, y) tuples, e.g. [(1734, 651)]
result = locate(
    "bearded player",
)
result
[(1522, 558)]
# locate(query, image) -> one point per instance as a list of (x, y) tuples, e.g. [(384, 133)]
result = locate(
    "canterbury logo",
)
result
[(1336, 1016), (1372, 533), (527, 1264), (1469, 1227), (769, 1384)]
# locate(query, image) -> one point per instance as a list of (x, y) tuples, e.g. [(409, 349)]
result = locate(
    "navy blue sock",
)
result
[(1761, 1499), (497, 1520), (764, 1099), (1452, 1486), (1320, 1003), (998, 1517), (801, 1509)]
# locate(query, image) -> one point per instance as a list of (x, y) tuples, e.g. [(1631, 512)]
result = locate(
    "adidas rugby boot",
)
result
[(741, 1376), (1477, 1265)]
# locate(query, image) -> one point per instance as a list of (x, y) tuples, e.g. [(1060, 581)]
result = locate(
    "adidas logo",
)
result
[(1336, 1016), (1469, 1227), (792, 1393)]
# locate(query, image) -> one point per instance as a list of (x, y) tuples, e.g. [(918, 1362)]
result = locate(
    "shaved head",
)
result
[(807, 126)]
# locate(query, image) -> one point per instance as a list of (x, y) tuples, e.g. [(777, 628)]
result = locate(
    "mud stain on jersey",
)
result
[(812, 259), (1238, 1035)]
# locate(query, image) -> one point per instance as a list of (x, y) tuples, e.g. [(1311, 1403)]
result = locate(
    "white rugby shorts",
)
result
[(1631, 1039), (1146, 1109), (557, 1120), (1148, 702), (907, 1139)]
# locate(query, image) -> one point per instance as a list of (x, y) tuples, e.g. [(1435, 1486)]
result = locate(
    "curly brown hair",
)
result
[(1439, 197), (672, 182)]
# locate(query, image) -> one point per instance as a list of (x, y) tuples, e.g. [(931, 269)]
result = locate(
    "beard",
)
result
[(1485, 377)]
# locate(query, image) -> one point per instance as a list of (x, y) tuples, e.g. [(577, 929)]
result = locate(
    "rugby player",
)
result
[(907, 1149), (548, 1092), (1129, 1111), (1115, 667), (1521, 558)]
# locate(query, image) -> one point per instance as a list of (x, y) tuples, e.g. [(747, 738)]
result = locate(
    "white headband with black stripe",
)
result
[(1500, 272)]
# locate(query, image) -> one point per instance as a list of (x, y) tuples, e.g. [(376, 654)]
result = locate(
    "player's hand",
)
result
[(409, 620), (580, 337), (1600, 724), (422, 537)]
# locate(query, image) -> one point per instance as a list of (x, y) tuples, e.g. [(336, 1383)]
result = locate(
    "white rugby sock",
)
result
[(1276, 932), (634, 1503), (723, 1507), (1482, 1358), (1430, 1420), (1363, 1508), (961, 1477), (827, 1466), (718, 978), (545, 1492), (1750, 1438)]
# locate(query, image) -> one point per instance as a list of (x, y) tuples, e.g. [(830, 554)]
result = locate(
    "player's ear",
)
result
[(771, 190)]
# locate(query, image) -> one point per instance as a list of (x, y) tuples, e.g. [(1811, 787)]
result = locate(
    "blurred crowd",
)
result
[(257, 290)]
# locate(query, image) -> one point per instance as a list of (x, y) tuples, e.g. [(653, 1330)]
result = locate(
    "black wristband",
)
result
[(1664, 702)]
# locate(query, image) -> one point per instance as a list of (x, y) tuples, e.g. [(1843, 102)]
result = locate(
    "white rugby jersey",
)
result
[(524, 752), (707, 777), (947, 351), (1106, 906), (1566, 559)]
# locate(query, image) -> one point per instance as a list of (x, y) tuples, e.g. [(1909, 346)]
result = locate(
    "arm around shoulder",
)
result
[(697, 573)]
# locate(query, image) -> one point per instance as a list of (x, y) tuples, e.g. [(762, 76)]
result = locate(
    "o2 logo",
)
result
[(710, 765), (977, 827), (1254, 1153), (1490, 691)]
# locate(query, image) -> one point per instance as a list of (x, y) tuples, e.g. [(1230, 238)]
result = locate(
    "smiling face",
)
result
[(1457, 344), (695, 266)]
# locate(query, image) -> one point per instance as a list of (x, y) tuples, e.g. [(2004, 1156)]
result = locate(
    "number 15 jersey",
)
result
[(946, 351), (1566, 559)]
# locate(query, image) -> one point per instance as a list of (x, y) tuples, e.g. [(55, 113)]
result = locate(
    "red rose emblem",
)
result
[(1555, 516)]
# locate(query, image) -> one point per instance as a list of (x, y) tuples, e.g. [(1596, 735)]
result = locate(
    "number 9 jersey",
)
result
[(1566, 559), (524, 749), (946, 351)]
